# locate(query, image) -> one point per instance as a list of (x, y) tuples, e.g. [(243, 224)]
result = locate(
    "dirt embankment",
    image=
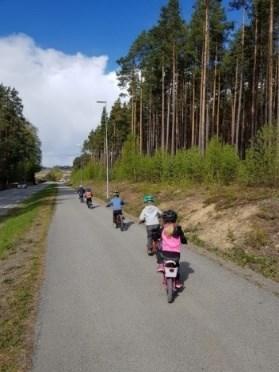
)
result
[(241, 224)]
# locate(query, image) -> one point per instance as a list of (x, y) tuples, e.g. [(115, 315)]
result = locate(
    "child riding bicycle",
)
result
[(88, 197), (150, 216), (117, 203), (172, 237)]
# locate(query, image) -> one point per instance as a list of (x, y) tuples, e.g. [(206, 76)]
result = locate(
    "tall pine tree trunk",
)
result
[(218, 106), (168, 119), (234, 103), (173, 101), (240, 108), (177, 106), (193, 110), (148, 140), (132, 115), (207, 124), (270, 63), (140, 123), (214, 91), (278, 88), (254, 79), (203, 80), (184, 117), (163, 109), (135, 117)]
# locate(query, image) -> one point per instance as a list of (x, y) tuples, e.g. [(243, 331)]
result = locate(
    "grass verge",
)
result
[(263, 264), (22, 236)]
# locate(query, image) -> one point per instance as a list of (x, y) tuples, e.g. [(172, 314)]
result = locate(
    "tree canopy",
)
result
[(189, 82), (20, 154)]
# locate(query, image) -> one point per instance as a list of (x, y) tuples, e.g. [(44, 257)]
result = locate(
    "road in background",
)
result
[(104, 309), (12, 197)]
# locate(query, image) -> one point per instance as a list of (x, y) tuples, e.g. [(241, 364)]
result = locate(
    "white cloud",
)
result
[(59, 93)]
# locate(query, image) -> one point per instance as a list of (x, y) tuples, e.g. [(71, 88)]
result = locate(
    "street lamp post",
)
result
[(106, 145)]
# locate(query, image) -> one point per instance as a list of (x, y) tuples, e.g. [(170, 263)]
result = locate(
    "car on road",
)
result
[(21, 186)]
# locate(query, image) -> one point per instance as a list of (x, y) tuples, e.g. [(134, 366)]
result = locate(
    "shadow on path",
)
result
[(127, 225), (185, 271)]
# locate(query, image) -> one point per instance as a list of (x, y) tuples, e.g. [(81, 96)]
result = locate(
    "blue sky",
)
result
[(61, 56), (92, 27)]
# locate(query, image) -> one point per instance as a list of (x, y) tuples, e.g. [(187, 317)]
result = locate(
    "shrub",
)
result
[(54, 174), (221, 162), (194, 165), (262, 160), (128, 166), (92, 170)]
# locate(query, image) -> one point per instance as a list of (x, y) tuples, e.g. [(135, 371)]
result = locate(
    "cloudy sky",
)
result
[(59, 92), (61, 57)]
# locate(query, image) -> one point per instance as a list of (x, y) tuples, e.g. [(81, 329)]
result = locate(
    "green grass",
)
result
[(17, 221), (225, 197), (22, 233), (266, 265)]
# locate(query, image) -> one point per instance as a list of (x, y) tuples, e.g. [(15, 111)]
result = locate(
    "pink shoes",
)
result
[(160, 268), (178, 284)]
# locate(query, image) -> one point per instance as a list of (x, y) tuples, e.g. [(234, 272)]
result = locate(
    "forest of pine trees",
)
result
[(20, 147), (191, 83)]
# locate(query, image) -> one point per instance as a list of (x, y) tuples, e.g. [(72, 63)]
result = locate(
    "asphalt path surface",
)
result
[(12, 197), (103, 307)]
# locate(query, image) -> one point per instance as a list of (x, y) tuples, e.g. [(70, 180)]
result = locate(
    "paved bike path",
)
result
[(103, 308)]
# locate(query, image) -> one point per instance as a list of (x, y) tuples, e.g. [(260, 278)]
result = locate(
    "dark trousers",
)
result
[(116, 213), (150, 233)]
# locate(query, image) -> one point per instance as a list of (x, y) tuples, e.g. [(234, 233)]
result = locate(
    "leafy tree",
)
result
[(204, 84), (19, 142)]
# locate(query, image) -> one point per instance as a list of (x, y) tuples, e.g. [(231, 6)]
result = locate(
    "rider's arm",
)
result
[(179, 233), (142, 216), (159, 213)]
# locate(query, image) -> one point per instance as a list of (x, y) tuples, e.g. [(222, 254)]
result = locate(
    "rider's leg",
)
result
[(149, 238), (115, 215), (150, 232), (160, 260)]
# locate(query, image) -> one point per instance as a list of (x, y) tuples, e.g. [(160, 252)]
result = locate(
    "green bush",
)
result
[(194, 165), (221, 162), (92, 170), (128, 166), (262, 159), (55, 174), (168, 167), (219, 165)]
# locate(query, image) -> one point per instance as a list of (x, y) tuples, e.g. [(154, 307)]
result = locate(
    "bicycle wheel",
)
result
[(154, 246), (122, 223), (169, 290)]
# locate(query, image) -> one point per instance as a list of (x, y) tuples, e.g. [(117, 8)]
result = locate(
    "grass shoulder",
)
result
[(22, 235)]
